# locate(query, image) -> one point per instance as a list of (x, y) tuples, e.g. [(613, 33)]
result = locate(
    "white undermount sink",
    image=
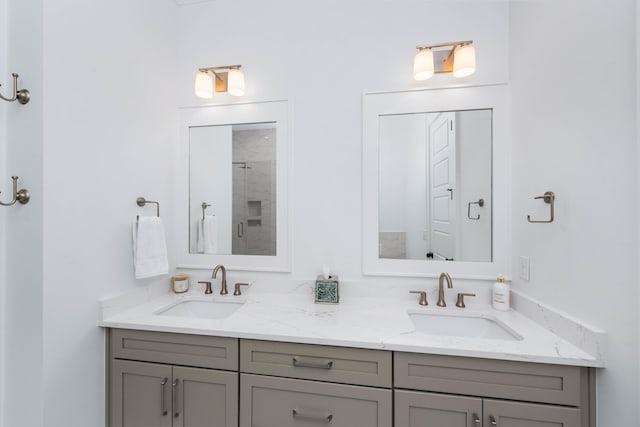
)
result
[(200, 308), (462, 325)]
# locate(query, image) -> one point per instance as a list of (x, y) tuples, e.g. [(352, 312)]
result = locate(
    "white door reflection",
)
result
[(433, 169)]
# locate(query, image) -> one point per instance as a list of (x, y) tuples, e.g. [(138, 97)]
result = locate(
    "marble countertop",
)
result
[(372, 322)]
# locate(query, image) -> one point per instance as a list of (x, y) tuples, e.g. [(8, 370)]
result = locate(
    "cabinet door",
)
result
[(204, 398), (283, 402), (140, 394), (417, 409), (515, 414)]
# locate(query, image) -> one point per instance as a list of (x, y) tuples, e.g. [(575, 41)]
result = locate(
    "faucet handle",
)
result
[(423, 297), (236, 291), (460, 299), (207, 289)]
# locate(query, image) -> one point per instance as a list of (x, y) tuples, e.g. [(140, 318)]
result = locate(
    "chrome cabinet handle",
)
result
[(476, 418), (480, 203), (321, 417), (163, 406), (301, 363), (450, 190), (492, 420), (174, 391), (241, 229)]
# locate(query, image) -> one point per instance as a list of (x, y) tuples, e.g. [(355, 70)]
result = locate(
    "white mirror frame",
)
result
[(495, 97), (217, 115)]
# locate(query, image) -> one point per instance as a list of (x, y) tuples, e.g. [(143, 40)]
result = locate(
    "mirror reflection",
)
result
[(232, 189), (435, 183)]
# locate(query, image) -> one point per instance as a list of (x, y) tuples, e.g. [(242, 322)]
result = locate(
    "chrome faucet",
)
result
[(223, 288), (443, 276)]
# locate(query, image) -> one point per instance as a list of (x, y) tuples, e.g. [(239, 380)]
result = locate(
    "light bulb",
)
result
[(423, 64), (464, 61), (204, 85), (235, 82)]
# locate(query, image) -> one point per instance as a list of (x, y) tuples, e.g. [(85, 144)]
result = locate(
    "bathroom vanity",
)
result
[(280, 360)]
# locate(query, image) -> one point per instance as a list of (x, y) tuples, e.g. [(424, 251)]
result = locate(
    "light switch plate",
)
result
[(524, 268)]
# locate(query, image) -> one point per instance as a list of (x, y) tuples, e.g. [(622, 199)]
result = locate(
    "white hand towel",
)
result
[(200, 236), (149, 248), (210, 234)]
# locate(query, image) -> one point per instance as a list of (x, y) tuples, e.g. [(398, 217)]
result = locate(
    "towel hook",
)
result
[(21, 196), (548, 198), (22, 96), (480, 203), (141, 201)]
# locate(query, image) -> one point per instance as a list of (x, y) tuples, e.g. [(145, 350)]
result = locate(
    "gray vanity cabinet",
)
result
[(301, 385), (417, 409), (520, 414), (146, 393), (160, 379), (284, 402), (140, 394), (466, 392)]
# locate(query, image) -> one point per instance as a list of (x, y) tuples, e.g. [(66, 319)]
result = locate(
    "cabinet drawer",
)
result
[(283, 402), (316, 362), (177, 349), (531, 382)]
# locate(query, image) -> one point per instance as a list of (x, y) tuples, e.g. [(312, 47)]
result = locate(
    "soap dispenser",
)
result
[(501, 294)]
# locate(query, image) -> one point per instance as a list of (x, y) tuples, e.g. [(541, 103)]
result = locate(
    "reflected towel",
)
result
[(149, 248), (207, 235)]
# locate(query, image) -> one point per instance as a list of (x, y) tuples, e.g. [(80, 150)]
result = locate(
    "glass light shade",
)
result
[(423, 65), (464, 61), (235, 82), (204, 85)]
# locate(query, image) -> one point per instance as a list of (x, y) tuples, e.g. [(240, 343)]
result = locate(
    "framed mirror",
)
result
[(235, 208), (436, 182)]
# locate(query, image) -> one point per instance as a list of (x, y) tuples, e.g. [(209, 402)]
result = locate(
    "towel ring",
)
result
[(141, 201), (549, 198), (480, 203)]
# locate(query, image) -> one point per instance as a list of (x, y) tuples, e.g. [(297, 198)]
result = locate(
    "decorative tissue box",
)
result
[(327, 290)]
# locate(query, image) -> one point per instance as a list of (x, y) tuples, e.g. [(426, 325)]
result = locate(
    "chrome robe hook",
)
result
[(21, 196), (22, 96)]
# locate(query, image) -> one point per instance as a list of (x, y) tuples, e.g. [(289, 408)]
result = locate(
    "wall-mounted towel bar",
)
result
[(22, 95), (548, 198), (480, 203), (21, 196), (141, 201), (204, 205)]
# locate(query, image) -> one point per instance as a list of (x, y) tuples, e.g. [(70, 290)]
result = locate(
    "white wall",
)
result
[(110, 129), (22, 282), (323, 56), (574, 134)]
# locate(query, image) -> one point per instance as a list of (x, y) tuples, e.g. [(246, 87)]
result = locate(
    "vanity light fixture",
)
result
[(229, 78), (456, 57)]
